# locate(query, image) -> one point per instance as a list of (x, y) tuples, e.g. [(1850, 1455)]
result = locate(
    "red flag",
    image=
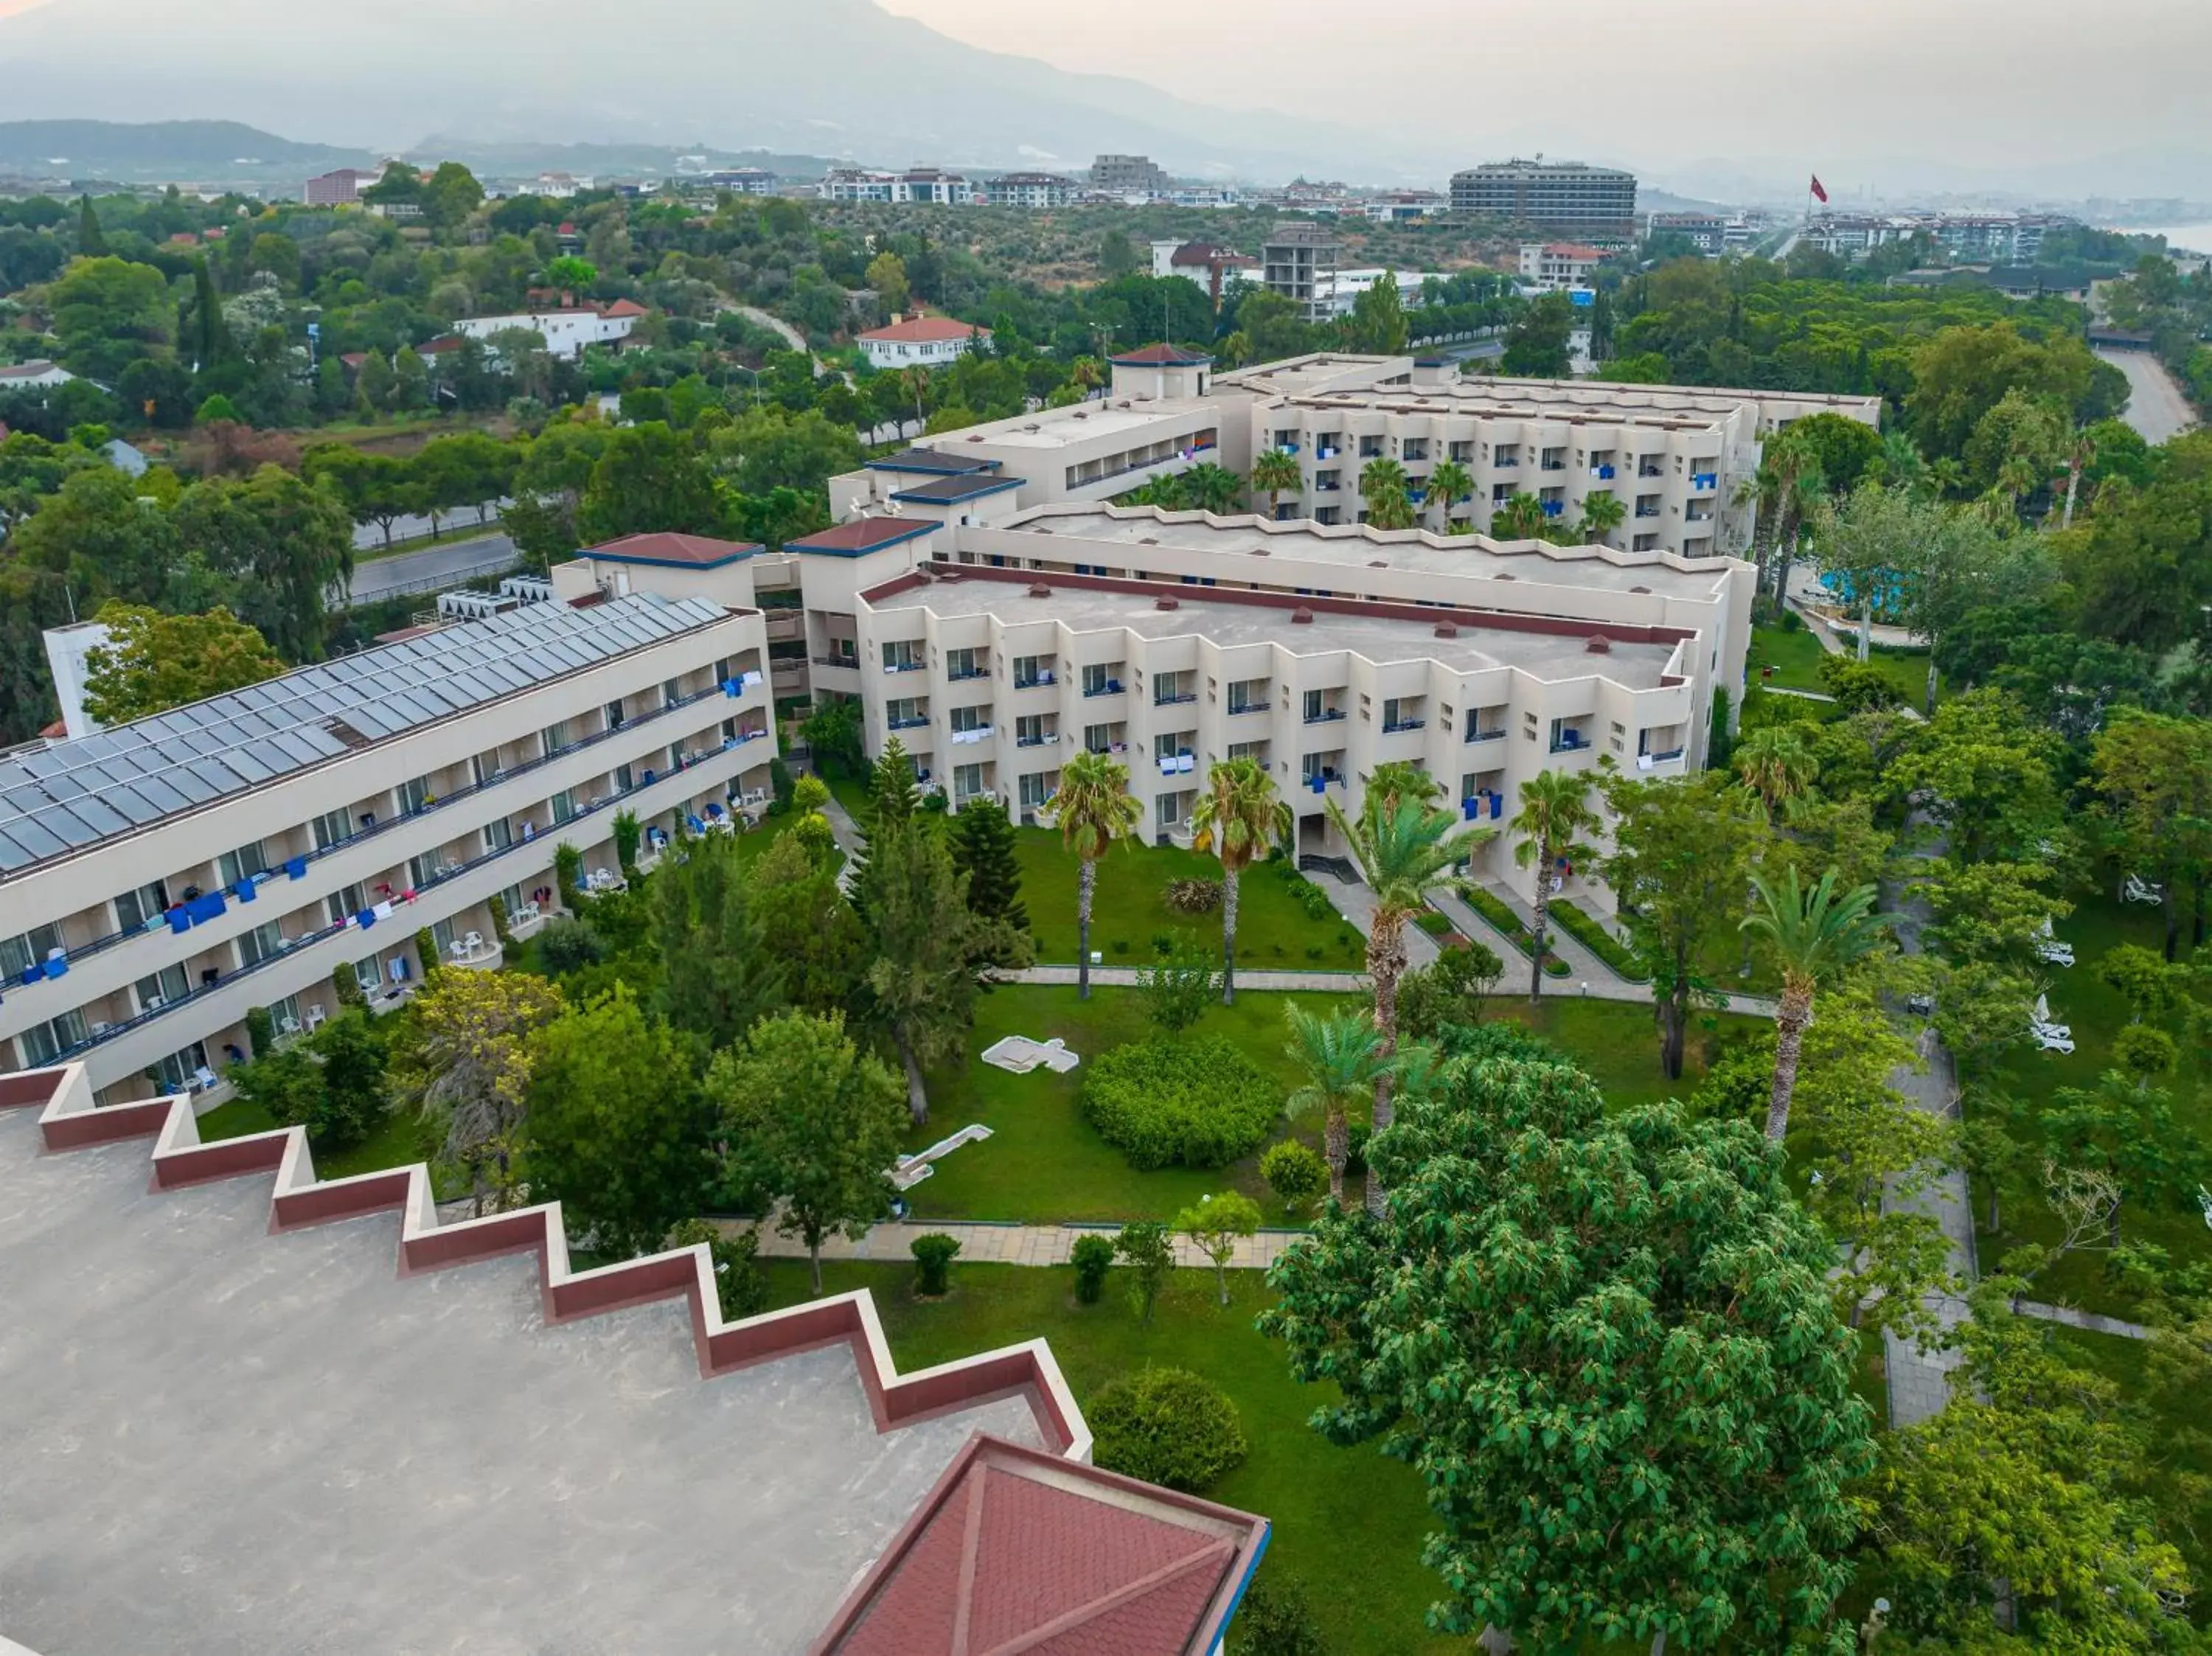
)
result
[(1820, 189)]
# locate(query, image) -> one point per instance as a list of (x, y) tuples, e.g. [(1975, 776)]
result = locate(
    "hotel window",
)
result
[(258, 944), (564, 806), (498, 834), (1098, 739), (333, 827), (169, 984), (142, 908), (244, 863), (552, 739), (43, 1043), (344, 904)]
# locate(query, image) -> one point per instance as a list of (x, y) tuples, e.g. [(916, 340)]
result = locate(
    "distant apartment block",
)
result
[(340, 189), (928, 185), (1299, 261), (1706, 232), (1555, 266), (921, 341), (1404, 206), (742, 181), (1971, 238), (1571, 197), (1034, 191), (1137, 176)]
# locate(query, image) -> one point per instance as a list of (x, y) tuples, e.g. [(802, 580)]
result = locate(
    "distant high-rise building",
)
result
[(340, 189), (1129, 175), (1571, 196), (1299, 261)]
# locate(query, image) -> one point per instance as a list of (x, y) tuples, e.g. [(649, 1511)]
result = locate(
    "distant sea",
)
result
[(2197, 238)]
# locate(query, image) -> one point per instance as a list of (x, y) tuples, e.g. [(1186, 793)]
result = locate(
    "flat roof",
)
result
[(1357, 548), (281, 1439), (72, 795), (1230, 619), (1055, 428), (928, 460), (950, 491)]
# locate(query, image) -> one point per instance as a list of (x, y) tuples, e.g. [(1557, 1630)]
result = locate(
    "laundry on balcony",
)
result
[(296, 867)]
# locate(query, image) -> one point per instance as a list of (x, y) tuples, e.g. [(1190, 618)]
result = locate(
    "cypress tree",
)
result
[(983, 843), (89, 241), (214, 334)]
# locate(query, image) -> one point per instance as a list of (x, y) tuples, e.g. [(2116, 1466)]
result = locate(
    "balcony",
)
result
[(920, 723), (1050, 740), (1485, 736), (1392, 727), (1647, 511), (1179, 699), (1483, 805), (1111, 687), (1572, 742), (1177, 764), (1704, 483), (1604, 472), (1325, 716), (1239, 709), (969, 738), (965, 674), (1035, 680), (850, 663), (906, 666), (1286, 448), (1661, 762)]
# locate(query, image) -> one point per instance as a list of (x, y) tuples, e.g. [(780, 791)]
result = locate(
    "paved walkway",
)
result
[(2157, 408), (1126, 977), (1004, 1244), (2088, 1320)]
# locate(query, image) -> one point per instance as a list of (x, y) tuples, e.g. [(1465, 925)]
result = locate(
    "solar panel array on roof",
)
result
[(73, 794)]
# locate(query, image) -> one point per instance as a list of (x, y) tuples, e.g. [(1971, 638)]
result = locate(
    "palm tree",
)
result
[(1555, 813), (1450, 483), (1088, 373), (1602, 513), (2083, 453), (1210, 488), (1400, 845), (1817, 934), (1239, 817), (1277, 473), (917, 382), (1396, 779), (1339, 1059), (1095, 809), (1520, 519), (1775, 764), (1383, 486)]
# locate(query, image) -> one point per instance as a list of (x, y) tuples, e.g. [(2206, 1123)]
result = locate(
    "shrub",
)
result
[(1315, 903), (1178, 988), (1275, 1620), (935, 803), (1163, 943), (1592, 935), (1431, 922), (1431, 998), (570, 946), (1296, 1173), (1198, 1102), (567, 872), (933, 1263), (501, 921), (628, 833), (780, 785), (1165, 1426), (1093, 1258), (740, 1282), (1792, 621), (1493, 909), (1120, 945), (260, 1031), (347, 987), (1355, 1155), (1192, 896), (426, 952), (1144, 1247)]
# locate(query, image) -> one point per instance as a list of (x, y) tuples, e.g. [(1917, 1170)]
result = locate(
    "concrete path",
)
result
[(2157, 408), (2089, 1321), (1357, 904), (1126, 977), (1003, 1245)]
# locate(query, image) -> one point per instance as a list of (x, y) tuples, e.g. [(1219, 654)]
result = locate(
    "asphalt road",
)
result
[(2156, 405), (431, 569)]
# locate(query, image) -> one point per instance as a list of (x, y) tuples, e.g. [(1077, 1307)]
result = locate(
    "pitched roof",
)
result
[(624, 307), (27, 370), (690, 551), (1161, 356), (925, 329), (1572, 249), (1018, 1550), (862, 535)]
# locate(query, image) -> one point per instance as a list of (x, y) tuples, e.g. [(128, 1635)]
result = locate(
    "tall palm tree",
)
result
[(917, 383), (1775, 764), (2082, 452), (1095, 809), (1210, 488), (1602, 513), (1555, 814), (1817, 935), (1338, 1057), (1402, 845), (1396, 779), (1088, 373), (1277, 474), (1520, 519), (1239, 817), (1383, 486), (1449, 483)]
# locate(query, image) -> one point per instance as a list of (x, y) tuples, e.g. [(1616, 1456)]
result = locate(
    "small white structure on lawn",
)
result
[(1019, 1055)]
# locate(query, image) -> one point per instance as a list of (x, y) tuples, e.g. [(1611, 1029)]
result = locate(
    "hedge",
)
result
[(1494, 909), (1197, 1101), (1588, 932), (1165, 1426)]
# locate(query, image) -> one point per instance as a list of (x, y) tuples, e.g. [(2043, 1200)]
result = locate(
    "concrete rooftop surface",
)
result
[(220, 1440), (1226, 623)]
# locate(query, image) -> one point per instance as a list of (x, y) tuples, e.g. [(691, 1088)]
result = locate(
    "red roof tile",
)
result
[(622, 308), (1161, 356), (924, 329), (862, 535), (699, 551)]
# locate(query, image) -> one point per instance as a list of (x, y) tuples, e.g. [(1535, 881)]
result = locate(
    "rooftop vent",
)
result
[(975, 437), (1599, 645), (1502, 575), (1149, 540), (1301, 617), (1040, 591), (1167, 603), (1644, 590), (1378, 563), (1259, 551), (1447, 631)]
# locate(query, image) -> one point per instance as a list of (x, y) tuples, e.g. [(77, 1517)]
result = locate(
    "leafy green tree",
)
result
[(709, 933), (1520, 519), (153, 662), (462, 1058), (90, 242), (1551, 1324), (284, 547), (1549, 829), (1987, 779), (2138, 567), (1143, 1247), (1536, 343), (808, 927), (1295, 1173), (108, 313), (1337, 1058), (1276, 474), (1818, 935), (1777, 765), (1094, 808), (1960, 374), (769, 448), (886, 274), (1991, 913), (1681, 865), (572, 274), (985, 855), (1177, 988), (1401, 846), (1377, 323), (1215, 1224), (1239, 818), (2155, 776), (2125, 1129), (616, 1132), (95, 534), (812, 1121), (649, 480)]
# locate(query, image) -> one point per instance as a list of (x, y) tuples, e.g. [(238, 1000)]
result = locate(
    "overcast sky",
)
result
[(1976, 82)]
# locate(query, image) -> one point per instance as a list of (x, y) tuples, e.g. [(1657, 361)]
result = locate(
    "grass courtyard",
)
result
[(1795, 654)]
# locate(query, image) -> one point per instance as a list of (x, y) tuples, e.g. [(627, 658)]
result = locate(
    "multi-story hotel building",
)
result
[(160, 880), (1571, 198)]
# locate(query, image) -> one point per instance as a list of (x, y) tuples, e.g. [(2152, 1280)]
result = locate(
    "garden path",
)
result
[(1004, 1244)]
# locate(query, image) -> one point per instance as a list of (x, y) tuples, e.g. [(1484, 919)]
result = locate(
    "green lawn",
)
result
[(402, 1138), (1795, 655), (1044, 1163), (2096, 1014), (1323, 1501)]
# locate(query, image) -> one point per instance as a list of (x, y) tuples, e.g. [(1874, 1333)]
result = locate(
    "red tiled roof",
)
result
[(925, 329), (60, 727), (699, 551), (1161, 356), (861, 535), (439, 347), (1017, 1550), (622, 308), (1572, 249)]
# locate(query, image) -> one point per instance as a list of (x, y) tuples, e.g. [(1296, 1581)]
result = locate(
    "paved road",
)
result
[(2156, 407), (432, 568), (369, 538)]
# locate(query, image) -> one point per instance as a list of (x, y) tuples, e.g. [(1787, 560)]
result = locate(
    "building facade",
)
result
[(1134, 176), (923, 341), (162, 880), (925, 185), (1299, 261), (1571, 197), (1556, 266), (566, 333), (1034, 191), (340, 189)]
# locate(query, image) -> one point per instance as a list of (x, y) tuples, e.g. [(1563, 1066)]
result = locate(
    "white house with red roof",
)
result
[(1558, 265), (921, 341), (567, 332)]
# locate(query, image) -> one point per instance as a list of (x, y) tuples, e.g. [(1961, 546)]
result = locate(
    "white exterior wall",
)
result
[(914, 353), (77, 893), (566, 333), (69, 649)]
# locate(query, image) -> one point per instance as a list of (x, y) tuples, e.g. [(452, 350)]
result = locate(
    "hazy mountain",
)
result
[(814, 76), (162, 149)]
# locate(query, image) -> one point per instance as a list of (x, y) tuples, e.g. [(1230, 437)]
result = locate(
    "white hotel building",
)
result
[(160, 880)]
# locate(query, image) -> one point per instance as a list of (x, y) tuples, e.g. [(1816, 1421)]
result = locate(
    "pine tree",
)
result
[(983, 842), (90, 243)]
